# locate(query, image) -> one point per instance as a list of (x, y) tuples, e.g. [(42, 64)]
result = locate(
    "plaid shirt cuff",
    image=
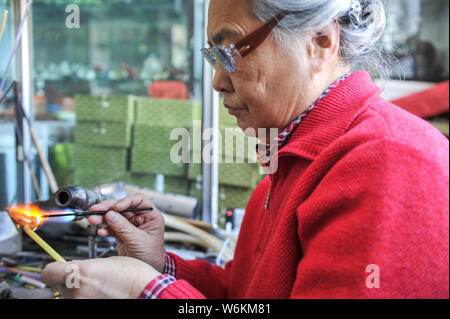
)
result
[(154, 289), (169, 265)]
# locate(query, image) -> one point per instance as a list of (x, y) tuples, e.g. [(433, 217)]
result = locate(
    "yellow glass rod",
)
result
[(43, 244)]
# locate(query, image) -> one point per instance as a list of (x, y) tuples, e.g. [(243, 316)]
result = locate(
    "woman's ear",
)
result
[(323, 49)]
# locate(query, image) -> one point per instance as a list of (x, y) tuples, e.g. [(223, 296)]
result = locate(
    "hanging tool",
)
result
[(44, 162)]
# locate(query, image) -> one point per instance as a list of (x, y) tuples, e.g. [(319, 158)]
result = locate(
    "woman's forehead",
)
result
[(229, 20)]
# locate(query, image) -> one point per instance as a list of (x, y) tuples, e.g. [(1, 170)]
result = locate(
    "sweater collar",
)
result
[(332, 117)]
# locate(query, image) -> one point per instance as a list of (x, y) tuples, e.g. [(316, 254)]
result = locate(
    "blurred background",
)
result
[(104, 96), (147, 53)]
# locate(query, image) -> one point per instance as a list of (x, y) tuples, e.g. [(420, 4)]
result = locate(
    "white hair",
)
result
[(360, 45)]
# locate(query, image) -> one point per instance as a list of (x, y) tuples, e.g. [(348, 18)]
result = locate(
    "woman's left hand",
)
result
[(114, 277)]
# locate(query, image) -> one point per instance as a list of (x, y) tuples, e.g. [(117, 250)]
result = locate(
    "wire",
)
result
[(222, 251)]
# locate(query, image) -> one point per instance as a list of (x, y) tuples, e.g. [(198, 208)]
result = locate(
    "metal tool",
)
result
[(77, 197), (87, 214)]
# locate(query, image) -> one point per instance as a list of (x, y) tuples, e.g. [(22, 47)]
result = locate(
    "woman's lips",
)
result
[(234, 110)]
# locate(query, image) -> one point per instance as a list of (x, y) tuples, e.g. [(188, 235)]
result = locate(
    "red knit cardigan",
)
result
[(359, 208)]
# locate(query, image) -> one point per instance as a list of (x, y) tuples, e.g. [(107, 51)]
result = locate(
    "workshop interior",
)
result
[(91, 93)]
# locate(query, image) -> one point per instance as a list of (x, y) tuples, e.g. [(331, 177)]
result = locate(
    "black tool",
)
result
[(87, 214)]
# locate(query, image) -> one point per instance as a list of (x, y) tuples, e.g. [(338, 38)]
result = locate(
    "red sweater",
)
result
[(361, 182)]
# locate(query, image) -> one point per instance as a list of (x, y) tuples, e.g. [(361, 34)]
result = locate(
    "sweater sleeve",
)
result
[(192, 278), (377, 226), (200, 276)]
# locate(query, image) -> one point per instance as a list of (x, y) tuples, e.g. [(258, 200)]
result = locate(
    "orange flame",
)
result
[(30, 215)]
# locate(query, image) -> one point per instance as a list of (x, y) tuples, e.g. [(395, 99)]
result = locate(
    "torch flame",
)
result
[(30, 215)]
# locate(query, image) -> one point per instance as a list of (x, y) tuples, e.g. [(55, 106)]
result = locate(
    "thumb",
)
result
[(121, 226)]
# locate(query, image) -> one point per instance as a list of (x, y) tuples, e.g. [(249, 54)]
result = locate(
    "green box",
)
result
[(103, 134), (176, 185), (154, 162), (229, 196), (95, 157), (233, 197), (114, 108), (195, 172), (236, 146), (156, 138), (235, 174), (94, 177), (152, 149), (142, 180), (167, 112), (173, 185), (239, 174)]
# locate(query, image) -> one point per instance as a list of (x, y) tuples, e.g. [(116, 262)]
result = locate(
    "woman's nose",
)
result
[(222, 82)]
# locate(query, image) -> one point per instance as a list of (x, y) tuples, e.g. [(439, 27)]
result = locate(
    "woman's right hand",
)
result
[(139, 235)]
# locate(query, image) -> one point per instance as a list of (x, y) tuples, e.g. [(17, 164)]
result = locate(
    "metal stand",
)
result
[(93, 242)]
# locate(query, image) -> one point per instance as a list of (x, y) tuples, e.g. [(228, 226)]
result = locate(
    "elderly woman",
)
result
[(356, 202)]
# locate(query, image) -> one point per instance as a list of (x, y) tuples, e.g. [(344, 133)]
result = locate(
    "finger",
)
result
[(133, 201), (103, 206), (121, 226), (96, 220), (103, 232), (108, 232), (55, 274)]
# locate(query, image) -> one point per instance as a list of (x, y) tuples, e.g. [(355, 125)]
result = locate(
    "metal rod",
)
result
[(42, 158), (16, 43), (3, 98), (86, 214), (2, 27), (28, 161)]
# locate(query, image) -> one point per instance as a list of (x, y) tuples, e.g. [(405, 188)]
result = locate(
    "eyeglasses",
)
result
[(229, 56)]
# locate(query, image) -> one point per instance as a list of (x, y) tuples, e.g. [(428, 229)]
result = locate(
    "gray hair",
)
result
[(360, 45)]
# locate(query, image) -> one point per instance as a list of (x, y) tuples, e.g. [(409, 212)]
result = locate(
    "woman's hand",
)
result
[(114, 277), (139, 235)]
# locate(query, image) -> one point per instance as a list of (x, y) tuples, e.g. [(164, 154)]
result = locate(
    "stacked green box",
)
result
[(174, 185), (151, 153), (236, 182), (142, 180), (229, 196), (238, 168), (103, 137), (114, 108), (233, 197), (243, 175), (195, 172), (236, 146), (157, 120), (103, 134), (106, 158), (167, 113), (91, 177)]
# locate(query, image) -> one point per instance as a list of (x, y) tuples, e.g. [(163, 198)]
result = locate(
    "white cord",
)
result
[(222, 251)]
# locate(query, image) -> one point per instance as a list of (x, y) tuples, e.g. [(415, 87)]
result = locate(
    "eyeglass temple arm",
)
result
[(254, 39)]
